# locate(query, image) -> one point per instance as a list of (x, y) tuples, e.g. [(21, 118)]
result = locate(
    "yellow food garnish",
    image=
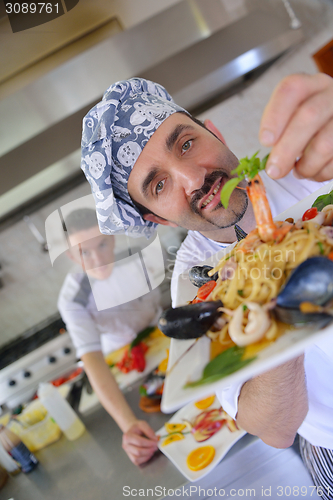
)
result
[(205, 403), (200, 457), (177, 436), (174, 427)]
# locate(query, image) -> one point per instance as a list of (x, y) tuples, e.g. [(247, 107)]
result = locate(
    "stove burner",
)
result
[(31, 340)]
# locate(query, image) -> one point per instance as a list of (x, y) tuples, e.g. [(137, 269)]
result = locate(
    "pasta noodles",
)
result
[(255, 271)]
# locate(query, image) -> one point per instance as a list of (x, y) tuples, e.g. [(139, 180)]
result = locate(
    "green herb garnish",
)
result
[(140, 336), (247, 169), (224, 364), (240, 292), (142, 390), (321, 248), (245, 307), (323, 200)]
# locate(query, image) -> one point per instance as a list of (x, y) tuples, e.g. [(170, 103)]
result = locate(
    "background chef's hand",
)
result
[(298, 123), (140, 442)]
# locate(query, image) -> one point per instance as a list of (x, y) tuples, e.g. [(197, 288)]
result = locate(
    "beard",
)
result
[(236, 209)]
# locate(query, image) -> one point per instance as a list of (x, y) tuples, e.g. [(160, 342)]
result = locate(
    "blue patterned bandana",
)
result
[(114, 133)]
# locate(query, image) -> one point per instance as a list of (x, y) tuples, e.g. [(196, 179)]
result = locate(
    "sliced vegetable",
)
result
[(133, 359), (310, 213), (206, 289)]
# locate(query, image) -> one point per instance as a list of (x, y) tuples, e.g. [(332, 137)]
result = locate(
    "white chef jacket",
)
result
[(317, 427), (117, 320)]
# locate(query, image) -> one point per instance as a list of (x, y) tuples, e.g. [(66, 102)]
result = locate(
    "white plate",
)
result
[(178, 451), (291, 344)]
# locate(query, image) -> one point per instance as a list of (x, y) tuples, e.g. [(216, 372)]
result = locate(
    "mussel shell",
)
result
[(199, 275), (191, 321), (311, 281), (293, 316)]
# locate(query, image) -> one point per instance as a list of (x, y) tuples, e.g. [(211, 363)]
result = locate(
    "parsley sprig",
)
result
[(247, 169)]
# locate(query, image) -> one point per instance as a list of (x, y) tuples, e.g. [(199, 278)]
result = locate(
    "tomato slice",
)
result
[(205, 289), (310, 214), (196, 301)]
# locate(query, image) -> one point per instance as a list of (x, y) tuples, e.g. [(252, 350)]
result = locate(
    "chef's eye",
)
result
[(186, 146), (159, 186)]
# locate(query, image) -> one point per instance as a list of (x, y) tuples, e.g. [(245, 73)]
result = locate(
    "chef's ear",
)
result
[(211, 127), (159, 220)]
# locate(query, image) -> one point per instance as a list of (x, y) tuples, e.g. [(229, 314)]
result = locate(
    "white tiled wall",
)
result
[(31, 284)]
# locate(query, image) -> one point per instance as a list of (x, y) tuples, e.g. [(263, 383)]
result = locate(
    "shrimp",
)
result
[(267, 229)]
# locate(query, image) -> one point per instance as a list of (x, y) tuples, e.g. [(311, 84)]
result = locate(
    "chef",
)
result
[(95, 303), (149, 162)]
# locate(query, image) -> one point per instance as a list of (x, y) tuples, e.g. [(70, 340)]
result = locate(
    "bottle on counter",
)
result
[(13, 445), (7, 462), (61, 411)]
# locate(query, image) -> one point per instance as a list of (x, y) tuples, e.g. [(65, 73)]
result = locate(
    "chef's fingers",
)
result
[(300, 108), (139, 441), (325, 173), (139, 451), (147, 430), (316, 161), (139, 455), (139, 459)]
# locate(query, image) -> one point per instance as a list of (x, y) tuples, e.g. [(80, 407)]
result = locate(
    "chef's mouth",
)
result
[(212, 185), (216, 188)]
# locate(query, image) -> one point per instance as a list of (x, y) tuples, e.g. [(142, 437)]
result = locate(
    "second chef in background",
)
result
[(97, 330)]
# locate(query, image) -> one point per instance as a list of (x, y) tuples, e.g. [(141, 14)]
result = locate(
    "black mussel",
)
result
[(311, 281), (191, 321), (199, 275)]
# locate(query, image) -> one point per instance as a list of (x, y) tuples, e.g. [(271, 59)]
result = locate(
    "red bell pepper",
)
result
[(133, 359)]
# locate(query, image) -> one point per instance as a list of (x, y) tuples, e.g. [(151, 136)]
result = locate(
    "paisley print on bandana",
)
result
[(114, 133)]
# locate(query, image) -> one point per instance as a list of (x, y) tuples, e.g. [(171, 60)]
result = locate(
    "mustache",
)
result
[(205, 188)]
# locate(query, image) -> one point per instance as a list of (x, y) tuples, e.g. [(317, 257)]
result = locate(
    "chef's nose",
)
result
[(98, 259), (191, 177)]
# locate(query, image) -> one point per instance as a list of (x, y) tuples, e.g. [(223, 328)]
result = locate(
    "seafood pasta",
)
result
[(251, 276)]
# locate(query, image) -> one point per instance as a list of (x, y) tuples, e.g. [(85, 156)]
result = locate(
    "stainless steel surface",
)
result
[(224, 57), (95, 466), (195, 48), (17, 388)]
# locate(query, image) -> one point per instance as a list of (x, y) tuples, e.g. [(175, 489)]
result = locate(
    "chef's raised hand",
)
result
[(298, 123), (140, 442)]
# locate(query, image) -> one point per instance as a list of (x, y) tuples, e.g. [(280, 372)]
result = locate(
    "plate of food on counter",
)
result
[(198, 436), (144, 354), (256, 304)]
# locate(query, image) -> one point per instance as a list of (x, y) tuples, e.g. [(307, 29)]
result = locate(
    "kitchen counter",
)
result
[(95, 466)]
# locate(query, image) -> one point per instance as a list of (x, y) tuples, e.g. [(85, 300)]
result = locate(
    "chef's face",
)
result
[(179, 176), (93, 251)]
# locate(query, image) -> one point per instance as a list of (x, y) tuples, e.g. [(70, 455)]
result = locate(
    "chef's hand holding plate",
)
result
[(298, 124), (140, 442)]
